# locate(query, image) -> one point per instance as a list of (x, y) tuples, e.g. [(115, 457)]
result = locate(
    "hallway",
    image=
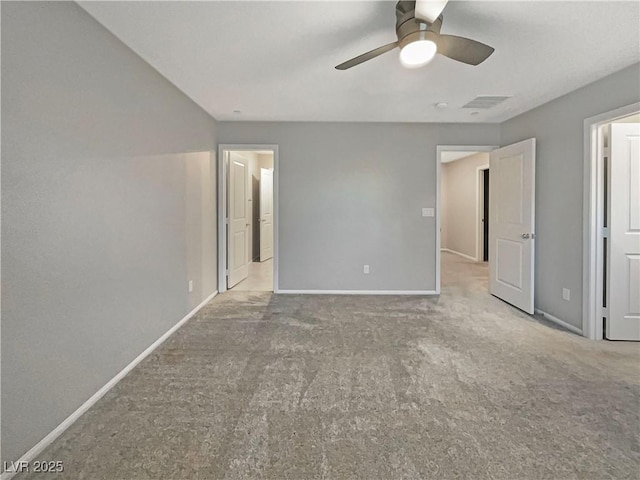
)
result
[(260, 278)]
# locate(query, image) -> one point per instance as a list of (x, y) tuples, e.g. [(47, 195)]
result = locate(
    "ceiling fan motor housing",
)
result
[(409, 29)]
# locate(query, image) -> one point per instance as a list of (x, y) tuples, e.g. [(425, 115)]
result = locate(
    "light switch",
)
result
[(428, 212)]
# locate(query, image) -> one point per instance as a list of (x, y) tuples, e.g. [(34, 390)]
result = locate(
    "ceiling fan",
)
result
[(418, 26)]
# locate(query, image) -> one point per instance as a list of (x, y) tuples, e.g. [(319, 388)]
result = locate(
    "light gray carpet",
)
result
[(460, 386)]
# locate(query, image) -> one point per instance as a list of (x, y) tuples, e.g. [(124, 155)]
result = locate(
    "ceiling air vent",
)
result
[(486, 101)]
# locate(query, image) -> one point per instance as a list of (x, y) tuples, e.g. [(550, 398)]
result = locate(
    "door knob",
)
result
[(525, 235)]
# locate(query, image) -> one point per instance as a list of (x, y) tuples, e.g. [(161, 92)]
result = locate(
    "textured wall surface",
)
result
[(351, 194), (107, 212)]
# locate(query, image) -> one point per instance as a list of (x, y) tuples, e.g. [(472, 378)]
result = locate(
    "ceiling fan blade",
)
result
[(367, 56), (463, 49), (429, 10)]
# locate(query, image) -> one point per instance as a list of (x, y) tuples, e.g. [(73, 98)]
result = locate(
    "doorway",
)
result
[(461, 209), (511, 216), (247, 218), (612, 225), (485, 215)]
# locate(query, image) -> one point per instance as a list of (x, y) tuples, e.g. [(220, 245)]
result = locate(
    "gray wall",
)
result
[(558, 127), (462, 204), (107, 212), (351, 194)]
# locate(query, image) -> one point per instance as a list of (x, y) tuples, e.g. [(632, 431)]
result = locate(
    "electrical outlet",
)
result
[(566, 294), (190, 286), (365, 270)]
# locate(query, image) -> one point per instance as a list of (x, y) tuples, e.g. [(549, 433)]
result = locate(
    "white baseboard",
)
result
[(463, 255), (359, 292), (33, 453), (562, 323)]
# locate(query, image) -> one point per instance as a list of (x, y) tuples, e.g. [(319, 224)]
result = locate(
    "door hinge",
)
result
[(226, 272), (605, 232), (604, 312), (226, 220)]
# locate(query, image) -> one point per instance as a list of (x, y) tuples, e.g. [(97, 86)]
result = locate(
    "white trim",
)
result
[(222, 208), (463, 255), (592, 221), (222, 220), (439, 150), (36, 450), (276, 217), (557, 321), (359, 292), (480, 211)]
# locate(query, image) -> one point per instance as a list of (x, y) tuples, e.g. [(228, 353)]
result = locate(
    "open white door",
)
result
[(623, 246), (266, 214), (238, 220), (511, 223)]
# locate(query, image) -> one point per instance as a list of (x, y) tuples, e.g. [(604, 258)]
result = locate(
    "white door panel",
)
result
[(238, 220), (623, 322), (266, 214), (511, 224), (509, 263)]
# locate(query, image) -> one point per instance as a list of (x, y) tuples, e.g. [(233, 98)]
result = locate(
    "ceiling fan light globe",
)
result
[(418, 53)]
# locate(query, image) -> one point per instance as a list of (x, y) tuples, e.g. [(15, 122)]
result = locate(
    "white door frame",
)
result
[(265, 174), (222, 208), (439, 150), (593, 215)]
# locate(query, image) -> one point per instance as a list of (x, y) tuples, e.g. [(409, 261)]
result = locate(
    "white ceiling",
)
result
[(448, 157), (275, 60)]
